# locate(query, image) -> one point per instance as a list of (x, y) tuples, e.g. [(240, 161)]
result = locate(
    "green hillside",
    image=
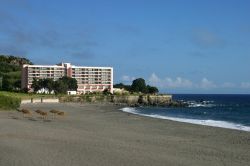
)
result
[(10, 72)]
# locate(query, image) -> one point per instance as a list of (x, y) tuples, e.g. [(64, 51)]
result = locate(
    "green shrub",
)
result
[(9, 102), (88, 98)]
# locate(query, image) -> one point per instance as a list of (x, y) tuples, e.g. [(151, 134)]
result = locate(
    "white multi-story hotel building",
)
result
[(89, 79)]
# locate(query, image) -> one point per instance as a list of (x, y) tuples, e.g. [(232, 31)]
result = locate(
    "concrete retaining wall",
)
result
[(39, 100)]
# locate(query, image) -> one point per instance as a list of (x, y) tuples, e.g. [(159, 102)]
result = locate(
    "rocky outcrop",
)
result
[(159, 100), (86, 98), (130, 100), (143, 99)]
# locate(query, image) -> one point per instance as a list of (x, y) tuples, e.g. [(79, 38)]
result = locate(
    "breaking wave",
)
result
[(200, 103), (210, 122)]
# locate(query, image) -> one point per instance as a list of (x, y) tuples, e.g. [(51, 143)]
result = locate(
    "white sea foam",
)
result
[(214, 123), (200, 103)]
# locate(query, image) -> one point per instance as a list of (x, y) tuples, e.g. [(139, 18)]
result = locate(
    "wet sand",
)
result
[(98, 134)]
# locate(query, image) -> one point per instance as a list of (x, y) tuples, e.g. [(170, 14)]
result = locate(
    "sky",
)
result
[(180, 46)]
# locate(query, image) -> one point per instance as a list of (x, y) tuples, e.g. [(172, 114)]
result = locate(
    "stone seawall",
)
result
[(129, 100), (143, 99), (125, 99), (132, 100)]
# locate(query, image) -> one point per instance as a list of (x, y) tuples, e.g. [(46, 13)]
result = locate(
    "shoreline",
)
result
[(207, 122), (100, 134)]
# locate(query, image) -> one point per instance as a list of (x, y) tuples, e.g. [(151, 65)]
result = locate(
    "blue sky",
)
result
[(180, 46)]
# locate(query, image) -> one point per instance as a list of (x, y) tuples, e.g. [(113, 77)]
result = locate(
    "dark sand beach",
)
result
[(98, 134)]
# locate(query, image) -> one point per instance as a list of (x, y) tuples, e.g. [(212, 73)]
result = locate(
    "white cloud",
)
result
[(154, 79), (127, 78), (186, 84), (228, 85), (245, 85), (169, 82), (206, 84), (180, 82)]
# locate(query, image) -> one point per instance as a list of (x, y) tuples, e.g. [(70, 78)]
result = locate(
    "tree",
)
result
[(60, 87), (64, 84), (36, 85), (41, 83), (7, 86), (48, 83), (17, 84), (70, 82), (122, 86), (1, 82), (152, 89), (106, 92), (139, 85)]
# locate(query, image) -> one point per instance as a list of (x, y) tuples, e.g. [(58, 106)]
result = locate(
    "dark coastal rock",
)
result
[(144, 100), (127, 100)]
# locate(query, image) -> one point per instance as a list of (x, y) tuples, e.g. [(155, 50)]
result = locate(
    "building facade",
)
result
[(89, 79)]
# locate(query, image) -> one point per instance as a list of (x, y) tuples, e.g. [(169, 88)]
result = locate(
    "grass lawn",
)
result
[(27, 95)]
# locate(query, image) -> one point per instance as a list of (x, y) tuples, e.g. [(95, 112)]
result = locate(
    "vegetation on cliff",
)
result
[(10, 72), (138, 86)]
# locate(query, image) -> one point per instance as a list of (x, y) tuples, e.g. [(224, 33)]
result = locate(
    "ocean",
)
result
[(226, 111)]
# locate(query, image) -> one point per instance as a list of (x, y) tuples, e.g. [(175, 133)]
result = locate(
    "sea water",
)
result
[(226, 111)]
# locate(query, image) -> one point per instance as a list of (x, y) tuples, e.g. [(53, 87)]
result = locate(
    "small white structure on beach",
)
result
[(69, 92), (45, 91)]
